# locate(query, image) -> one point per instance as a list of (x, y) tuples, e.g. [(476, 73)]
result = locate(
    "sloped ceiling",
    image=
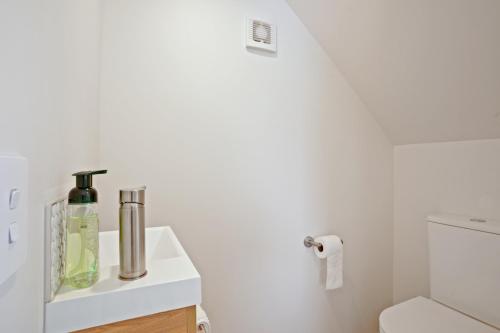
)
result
[(429, 70)]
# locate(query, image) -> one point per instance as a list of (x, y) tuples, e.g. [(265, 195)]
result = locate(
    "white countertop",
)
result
[(172, 282)]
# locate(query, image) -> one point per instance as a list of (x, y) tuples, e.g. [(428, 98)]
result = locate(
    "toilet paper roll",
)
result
[(332, 251)]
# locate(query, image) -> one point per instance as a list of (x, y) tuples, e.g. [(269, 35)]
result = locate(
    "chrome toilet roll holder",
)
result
[(309, 242)]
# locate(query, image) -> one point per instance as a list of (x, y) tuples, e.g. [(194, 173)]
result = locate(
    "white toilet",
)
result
[(464, 277)]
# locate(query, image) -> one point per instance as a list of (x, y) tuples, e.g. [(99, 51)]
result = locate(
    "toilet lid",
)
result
[(420, 315)]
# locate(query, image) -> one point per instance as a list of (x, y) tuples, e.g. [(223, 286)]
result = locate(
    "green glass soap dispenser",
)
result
[(82, 232)]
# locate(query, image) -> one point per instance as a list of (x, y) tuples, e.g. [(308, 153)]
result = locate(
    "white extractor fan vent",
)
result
[(261, 35)]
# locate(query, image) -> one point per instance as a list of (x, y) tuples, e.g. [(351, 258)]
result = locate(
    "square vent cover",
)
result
[(261, 35)]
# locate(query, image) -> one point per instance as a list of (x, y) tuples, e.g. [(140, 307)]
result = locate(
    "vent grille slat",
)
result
[(261, 35)]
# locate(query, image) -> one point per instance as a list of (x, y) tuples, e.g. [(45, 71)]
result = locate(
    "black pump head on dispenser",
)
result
[(84, 192)]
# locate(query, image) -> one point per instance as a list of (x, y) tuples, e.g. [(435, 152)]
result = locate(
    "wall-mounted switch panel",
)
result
[(13, 214)]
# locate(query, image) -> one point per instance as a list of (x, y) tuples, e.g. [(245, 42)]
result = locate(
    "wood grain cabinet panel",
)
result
[(176, 321)]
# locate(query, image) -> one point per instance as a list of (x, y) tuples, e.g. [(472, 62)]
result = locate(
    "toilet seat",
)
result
[(420, 315)]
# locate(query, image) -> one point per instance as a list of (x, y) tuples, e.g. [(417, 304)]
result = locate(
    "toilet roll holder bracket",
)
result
[(309, 242)]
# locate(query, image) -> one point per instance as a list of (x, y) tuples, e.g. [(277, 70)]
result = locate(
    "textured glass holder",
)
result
[(55, 244)]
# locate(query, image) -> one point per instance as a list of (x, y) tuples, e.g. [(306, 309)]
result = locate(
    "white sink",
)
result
[(172, 282)]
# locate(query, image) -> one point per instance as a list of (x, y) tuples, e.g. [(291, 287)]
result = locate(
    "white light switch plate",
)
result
[(13, 228)]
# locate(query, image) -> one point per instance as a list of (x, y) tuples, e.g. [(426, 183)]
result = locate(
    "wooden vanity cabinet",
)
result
[(176, 321)]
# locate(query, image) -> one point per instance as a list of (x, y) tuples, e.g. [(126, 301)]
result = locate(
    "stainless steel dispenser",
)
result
[(132, 233)]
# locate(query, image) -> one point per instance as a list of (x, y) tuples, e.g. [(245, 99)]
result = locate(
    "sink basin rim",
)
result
[(171, 283)]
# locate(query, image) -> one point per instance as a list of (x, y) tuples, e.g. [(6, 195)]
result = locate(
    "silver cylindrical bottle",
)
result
[(132, 233)]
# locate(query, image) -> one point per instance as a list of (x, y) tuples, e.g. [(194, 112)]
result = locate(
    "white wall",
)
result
[(244, 155), (455, 177), (48, 97), (428, 70)]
